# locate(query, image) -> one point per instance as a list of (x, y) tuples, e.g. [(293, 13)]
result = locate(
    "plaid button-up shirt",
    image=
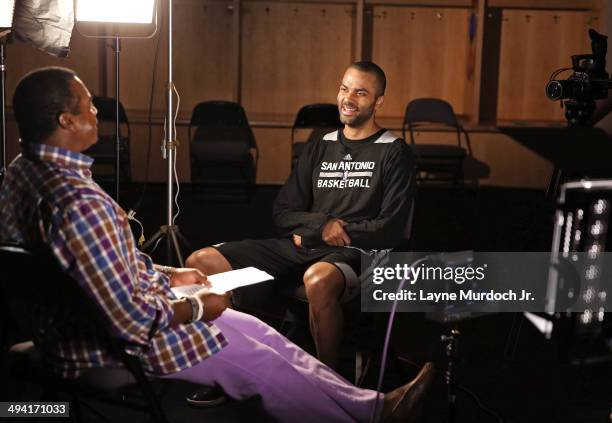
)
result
[(48, 197)]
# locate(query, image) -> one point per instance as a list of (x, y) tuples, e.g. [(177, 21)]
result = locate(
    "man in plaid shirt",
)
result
[(48, 198)]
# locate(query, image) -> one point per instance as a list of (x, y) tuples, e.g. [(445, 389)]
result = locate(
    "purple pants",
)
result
[(294, 386)]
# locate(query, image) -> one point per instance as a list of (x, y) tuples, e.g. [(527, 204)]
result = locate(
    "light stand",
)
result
[(3, 100), (117, 50), (170, 231), (7, 11), (451, 342), (91, 11)]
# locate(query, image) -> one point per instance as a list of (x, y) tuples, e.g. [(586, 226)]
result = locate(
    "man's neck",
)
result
[(56, 140), (361, 132)]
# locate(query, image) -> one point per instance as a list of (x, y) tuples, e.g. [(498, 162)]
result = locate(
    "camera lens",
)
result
[(554, 90), (570, 88)]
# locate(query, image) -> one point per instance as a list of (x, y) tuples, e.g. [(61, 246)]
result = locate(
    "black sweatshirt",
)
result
[(368, 183)]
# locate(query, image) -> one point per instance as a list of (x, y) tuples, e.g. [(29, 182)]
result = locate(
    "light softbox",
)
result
[(47, 24)]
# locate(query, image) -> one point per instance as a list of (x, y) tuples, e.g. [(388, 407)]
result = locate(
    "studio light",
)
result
[(115, 11), (7, 8), (118, 18), (114, 19)]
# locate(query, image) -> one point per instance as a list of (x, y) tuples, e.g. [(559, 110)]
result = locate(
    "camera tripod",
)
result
[(172, 235), (451, 342)]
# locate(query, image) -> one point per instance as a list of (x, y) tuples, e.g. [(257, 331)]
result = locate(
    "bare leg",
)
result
[(209, 261), (324, 284)]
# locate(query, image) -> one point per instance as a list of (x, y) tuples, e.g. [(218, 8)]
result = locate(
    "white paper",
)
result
[(226, 281)]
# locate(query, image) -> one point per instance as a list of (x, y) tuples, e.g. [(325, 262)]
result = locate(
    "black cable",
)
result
[(383, 363), (509, 337), (518, 334), (509, 355), (145, 184), (557, 72)]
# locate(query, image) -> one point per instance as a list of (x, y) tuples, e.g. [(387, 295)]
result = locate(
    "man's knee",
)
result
[(324, 284), (209, 261)]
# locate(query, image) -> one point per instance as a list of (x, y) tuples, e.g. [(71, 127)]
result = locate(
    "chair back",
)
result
[(223, 150), (22, 274), (430, 110), (221, 121), (320, 115), (104, 151), (218, 113), (425, 111), (33, 278), (106, 109), (12, 258), (14, 290)]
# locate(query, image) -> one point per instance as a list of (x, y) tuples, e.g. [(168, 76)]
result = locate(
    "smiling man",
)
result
[(49, 200), (350, 193)]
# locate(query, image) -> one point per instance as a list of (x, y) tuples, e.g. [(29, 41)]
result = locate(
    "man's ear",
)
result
[(65, 120), (379, 101)]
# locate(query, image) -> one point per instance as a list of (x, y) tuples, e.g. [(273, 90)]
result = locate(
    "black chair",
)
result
[(321, 118), (104, 151), (32, 280), (363, 332), (120, 394), (436, 162), (223, 148)]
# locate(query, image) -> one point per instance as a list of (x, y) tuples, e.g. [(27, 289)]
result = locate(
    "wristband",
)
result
[(195, 308), (200, 307)]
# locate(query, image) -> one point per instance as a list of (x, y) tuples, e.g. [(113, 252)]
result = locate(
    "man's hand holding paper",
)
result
[(221, 283)]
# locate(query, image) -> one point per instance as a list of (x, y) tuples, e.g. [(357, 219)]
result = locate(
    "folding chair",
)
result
[(32, 280), (321, 118), (363, 330), (103, 152), (222, 146), (436, 162)]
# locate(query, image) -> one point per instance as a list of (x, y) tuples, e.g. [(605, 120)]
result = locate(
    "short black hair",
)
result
[(374, 69), (40, 98)]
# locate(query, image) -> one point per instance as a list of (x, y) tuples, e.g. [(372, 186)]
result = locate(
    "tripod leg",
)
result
[(182, 239), (553, 184), (451, 342), (169, 257), (177, 248), (159, 234)]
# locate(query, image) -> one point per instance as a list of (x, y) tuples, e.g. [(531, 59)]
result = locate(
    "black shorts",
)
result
[(283, 260)]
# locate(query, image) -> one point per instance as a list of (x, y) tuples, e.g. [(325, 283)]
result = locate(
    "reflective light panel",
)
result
[(116, 11)]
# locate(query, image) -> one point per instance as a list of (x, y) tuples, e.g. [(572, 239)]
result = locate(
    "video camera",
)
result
[(588, 82)]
